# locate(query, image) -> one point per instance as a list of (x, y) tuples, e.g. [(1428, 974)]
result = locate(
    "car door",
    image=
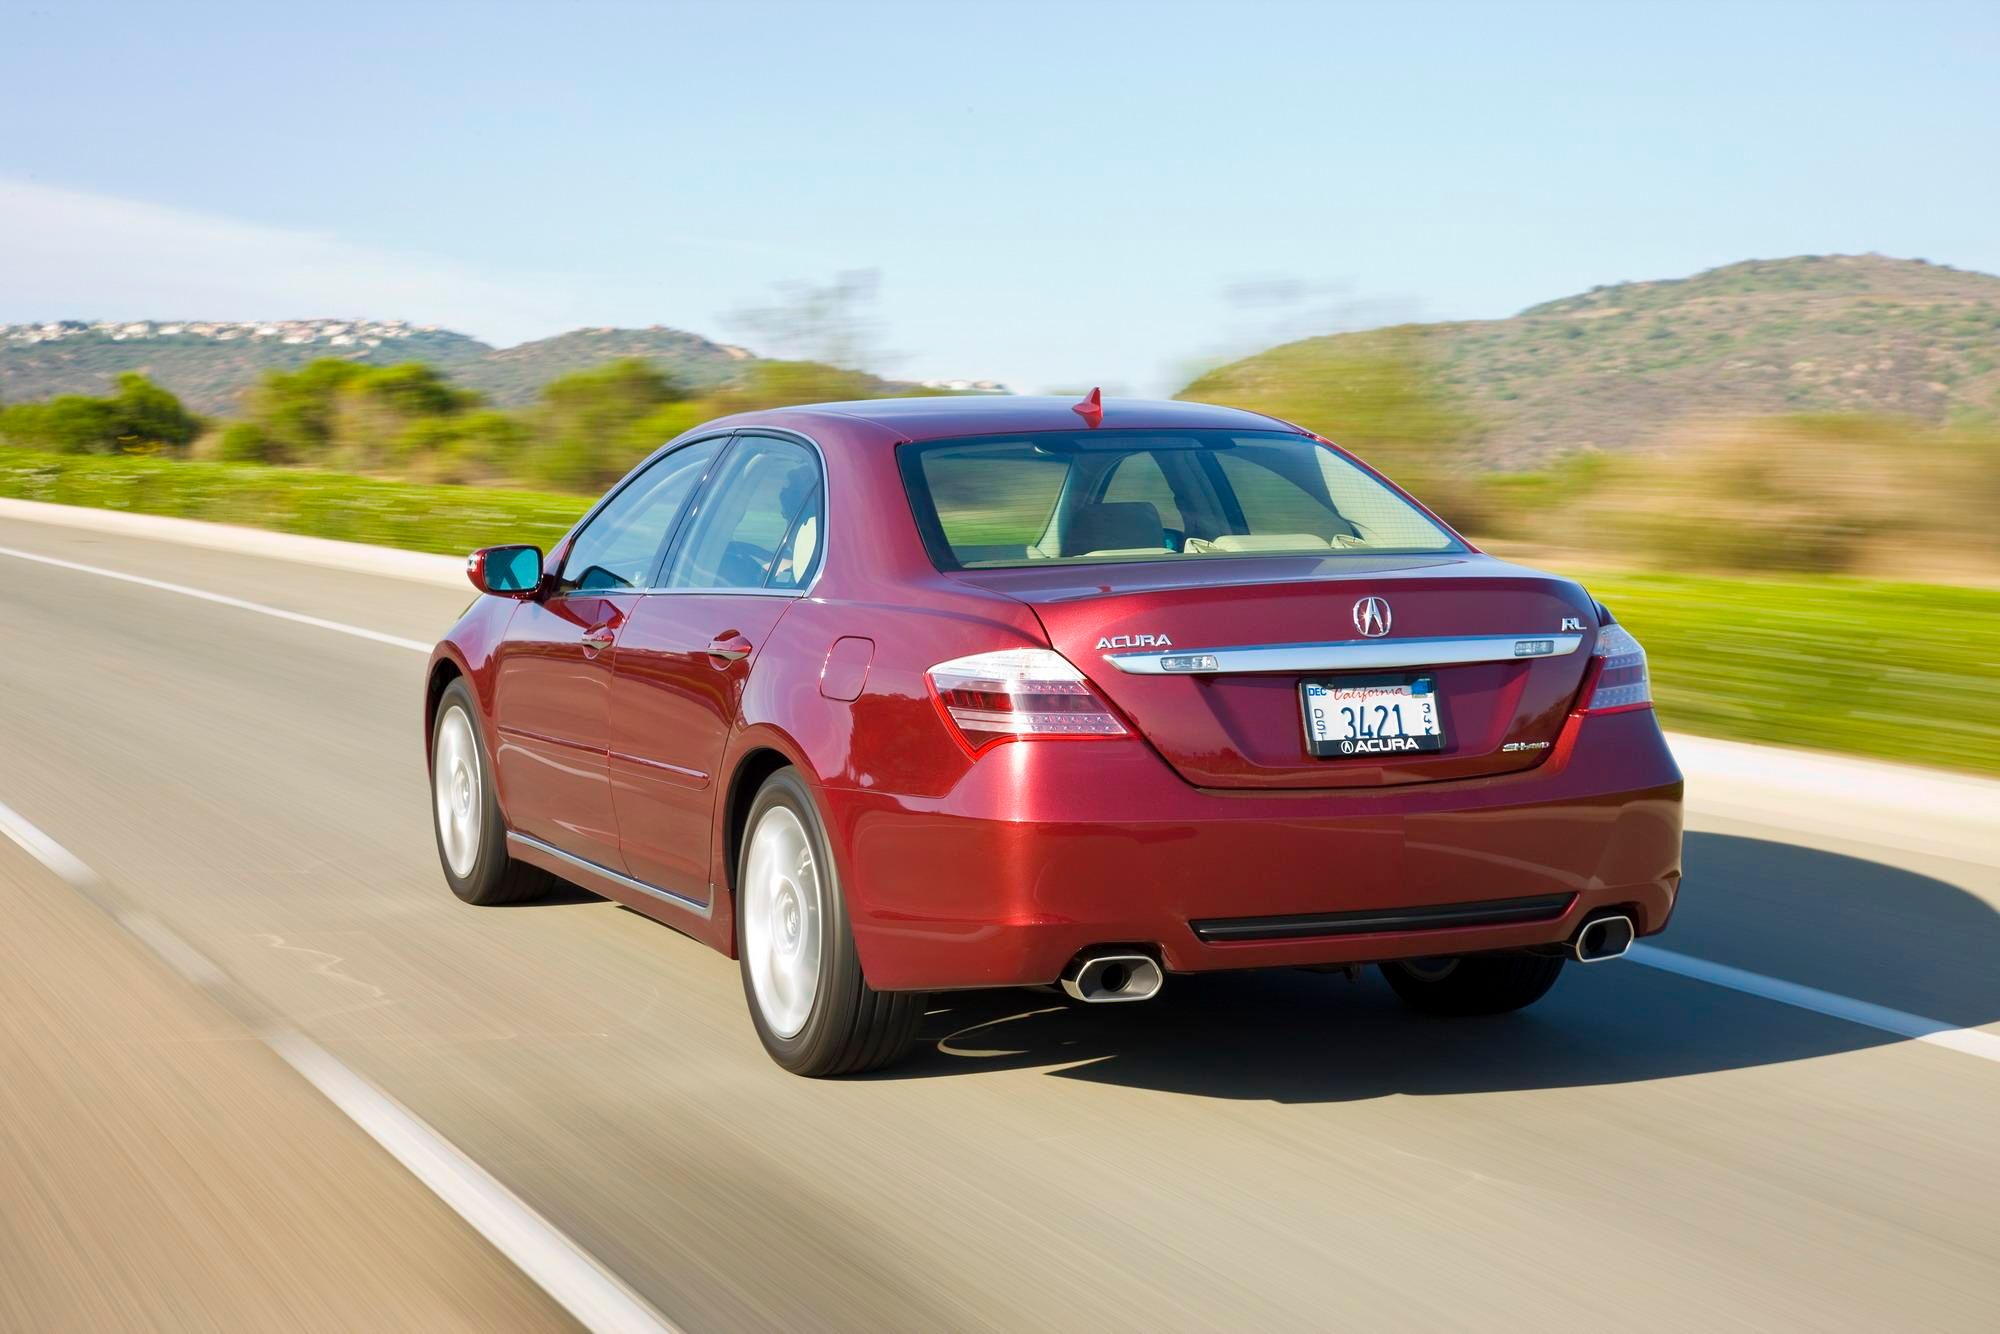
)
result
[(552, 699), (750, 546)]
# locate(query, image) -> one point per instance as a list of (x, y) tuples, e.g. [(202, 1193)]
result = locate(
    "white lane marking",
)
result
[(1971, 1041), (221, 599), (567, 1272), (45, 849), (182, 957), (595, 1296)]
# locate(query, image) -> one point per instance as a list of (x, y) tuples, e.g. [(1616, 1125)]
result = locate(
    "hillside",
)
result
[(1613, 367), (209, 363), (513, 375), (206, 363)]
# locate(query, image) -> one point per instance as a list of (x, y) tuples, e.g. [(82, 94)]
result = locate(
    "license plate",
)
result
[(1396, 715)]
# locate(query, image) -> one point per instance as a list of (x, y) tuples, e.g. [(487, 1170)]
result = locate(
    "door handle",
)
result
[(599, 639), (730, 646)]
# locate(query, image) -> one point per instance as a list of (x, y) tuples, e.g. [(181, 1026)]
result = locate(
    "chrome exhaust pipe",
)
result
[(1603, 938), (1105, 979)]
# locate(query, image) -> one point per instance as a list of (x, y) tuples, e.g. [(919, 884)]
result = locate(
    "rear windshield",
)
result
[(1086, 497)]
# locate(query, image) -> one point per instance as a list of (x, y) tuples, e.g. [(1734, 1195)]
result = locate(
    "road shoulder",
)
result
[(165, 1170)]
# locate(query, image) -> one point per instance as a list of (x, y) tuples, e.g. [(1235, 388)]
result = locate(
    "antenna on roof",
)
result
[(1091, 409)]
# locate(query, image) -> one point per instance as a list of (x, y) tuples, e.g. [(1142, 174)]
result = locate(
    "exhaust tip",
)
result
[(1604, 938), (1105, 979)]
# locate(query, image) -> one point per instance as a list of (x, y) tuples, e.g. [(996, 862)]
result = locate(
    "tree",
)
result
[(374, 411), (338, 413), (586, 420), (294, 410), (140, 418), (67, 424), (777, 384), (466, 448), (832, 324), (147, 417)]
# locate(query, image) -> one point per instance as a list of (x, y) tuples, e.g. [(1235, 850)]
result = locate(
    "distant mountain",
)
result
[(512, 376), (209, 363), (1610, 368)]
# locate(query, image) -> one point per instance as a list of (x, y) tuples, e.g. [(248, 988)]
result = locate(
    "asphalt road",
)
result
[(1285, 1151)]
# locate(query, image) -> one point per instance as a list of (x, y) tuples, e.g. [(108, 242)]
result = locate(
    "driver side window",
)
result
[(617, 548), (758, 524)]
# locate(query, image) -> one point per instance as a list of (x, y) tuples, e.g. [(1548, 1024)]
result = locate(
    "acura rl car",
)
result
[(906, 695)]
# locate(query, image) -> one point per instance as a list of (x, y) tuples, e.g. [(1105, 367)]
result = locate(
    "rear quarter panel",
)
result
[(889, 739)]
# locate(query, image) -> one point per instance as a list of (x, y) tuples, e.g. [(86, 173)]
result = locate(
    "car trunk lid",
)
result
[(1505, 648)]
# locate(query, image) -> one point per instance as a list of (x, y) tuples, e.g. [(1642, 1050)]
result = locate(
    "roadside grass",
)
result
[(1899, 671), (451, 520)]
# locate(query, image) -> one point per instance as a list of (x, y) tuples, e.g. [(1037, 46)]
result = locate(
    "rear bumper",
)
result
[(1046, 850)]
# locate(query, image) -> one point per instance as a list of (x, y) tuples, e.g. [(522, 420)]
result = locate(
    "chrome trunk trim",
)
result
[(1345, 655)]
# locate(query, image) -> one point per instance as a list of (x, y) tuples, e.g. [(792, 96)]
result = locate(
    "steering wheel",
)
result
[(742, 566)]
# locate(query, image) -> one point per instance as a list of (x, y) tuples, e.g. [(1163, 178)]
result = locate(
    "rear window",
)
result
[(1084, 497)]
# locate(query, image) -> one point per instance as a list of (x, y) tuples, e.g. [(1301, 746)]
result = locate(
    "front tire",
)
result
[(813, 1010), (465, 811), (1471, 984)]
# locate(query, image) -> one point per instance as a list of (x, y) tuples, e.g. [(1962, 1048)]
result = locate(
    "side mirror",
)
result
[(508, 572)]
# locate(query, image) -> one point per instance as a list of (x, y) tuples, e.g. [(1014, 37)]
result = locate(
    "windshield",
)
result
[(1085, 497)]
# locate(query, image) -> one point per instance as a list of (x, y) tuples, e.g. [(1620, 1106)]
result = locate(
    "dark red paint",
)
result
[(974, 870)]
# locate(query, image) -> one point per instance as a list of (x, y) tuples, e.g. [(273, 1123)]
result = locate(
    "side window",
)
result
[(617, 548), (759, 523), (1138, 477), (798, 555)]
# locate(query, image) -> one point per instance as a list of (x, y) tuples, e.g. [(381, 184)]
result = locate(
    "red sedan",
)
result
[(898, 696)]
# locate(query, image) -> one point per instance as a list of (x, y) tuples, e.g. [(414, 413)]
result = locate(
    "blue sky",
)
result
[(1053, 195)]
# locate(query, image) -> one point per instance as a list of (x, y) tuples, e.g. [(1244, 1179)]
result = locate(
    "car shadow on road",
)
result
[(1843, 924)]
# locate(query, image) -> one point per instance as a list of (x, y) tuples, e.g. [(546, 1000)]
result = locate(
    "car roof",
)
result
[(994, 414)]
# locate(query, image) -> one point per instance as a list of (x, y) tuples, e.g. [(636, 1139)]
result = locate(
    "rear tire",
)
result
[(813, 1010), (1471, 984), (465, 811)]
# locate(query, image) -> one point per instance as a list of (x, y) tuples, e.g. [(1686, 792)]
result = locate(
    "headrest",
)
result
[(1114, 526)]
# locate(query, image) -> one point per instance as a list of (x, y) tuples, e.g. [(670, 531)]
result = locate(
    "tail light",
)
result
[(1621, 681), (1019, 693)]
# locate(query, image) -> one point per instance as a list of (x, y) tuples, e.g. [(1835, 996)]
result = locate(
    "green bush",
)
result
[(141, 418), (244, 442), (586, 426)]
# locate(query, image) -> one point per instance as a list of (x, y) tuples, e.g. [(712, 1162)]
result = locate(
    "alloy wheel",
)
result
[(455, 783), (782, 911)]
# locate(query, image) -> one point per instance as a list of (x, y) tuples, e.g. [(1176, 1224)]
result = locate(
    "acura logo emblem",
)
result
[(1371, 617)]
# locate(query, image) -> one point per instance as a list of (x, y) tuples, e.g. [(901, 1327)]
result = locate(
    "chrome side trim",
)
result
[(1345, 655), (615, 877)]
